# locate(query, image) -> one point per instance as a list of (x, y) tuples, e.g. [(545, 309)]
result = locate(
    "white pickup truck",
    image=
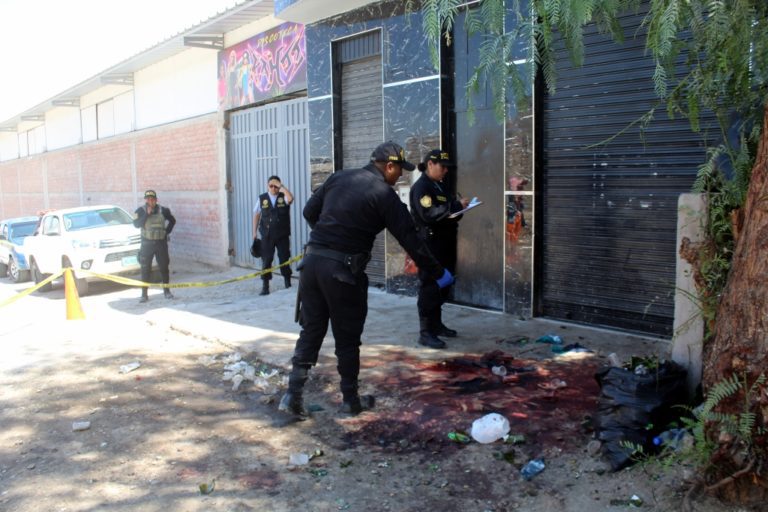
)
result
[(101, 239)]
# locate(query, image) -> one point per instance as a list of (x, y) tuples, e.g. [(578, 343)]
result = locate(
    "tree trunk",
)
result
[(740, 343)]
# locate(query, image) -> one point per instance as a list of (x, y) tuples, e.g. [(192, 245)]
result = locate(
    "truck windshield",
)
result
[(78, 221), (19, 231)]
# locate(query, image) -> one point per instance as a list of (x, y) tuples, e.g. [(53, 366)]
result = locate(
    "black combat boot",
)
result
[(353, 403), (287, 281), (264, 288), (167, 293), (426, 337), (293, 400), (144, 296), (443, 330)]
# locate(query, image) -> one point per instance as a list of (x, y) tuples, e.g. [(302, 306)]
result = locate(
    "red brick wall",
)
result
[(180, 161)]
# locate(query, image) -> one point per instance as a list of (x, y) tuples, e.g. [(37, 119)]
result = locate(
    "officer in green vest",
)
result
[(156, 223)]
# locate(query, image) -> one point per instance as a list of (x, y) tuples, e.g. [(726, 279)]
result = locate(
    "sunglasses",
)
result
[(274, 186)]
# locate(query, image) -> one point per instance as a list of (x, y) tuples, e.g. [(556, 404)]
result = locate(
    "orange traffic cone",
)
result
[(74, 311)]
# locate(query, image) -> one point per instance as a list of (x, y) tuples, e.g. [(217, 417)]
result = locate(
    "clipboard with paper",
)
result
[(472, 204)]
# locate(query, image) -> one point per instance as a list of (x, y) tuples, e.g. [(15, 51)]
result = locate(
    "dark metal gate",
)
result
[(361, 117), (609, 210)]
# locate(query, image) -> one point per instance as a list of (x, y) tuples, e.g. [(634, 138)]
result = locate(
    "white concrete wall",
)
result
[(9, 146), (177, 88), (124, 113), (62, 127)]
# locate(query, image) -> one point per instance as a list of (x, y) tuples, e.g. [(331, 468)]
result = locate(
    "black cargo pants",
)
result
[(330, 292)]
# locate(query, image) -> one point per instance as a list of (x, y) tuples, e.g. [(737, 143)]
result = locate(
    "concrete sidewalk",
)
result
[(235, 316)]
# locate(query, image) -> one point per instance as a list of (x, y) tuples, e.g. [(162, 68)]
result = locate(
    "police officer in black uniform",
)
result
[(156, 223), (272, 220), (431, 206), (345, 214)]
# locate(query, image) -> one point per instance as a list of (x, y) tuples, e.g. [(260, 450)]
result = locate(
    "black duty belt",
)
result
[(356, 262)]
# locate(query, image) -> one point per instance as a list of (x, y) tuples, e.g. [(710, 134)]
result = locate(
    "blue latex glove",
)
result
[(447, 279)]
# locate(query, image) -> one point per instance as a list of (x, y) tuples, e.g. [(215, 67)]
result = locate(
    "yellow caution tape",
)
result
[(135, 282), (31, 289)]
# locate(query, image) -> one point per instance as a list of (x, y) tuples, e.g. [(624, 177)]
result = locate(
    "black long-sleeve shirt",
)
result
[(353, 206)]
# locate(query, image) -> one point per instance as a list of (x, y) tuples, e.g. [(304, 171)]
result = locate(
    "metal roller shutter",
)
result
[(609, 212), (362, 130)]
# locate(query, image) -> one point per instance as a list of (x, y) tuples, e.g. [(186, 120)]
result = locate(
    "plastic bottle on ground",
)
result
[(532, 468)]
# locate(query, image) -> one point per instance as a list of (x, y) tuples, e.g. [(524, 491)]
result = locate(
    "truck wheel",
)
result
[(15, 273), (40, 277)]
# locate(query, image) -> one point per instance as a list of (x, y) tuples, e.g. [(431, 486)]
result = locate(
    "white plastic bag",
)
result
[(489, 428)]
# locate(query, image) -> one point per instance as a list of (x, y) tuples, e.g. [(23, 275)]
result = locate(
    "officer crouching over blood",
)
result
[(345, 214)]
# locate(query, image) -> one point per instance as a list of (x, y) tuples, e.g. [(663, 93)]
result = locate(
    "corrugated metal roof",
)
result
[(219, 24)]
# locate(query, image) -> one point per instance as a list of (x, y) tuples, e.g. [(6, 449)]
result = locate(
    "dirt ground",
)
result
[(160, 431)]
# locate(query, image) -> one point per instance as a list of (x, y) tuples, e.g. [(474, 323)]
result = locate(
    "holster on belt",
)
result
[(355, 262)]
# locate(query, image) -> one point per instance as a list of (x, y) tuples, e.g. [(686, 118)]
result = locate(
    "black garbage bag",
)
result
[(256, 248), (634, 408)]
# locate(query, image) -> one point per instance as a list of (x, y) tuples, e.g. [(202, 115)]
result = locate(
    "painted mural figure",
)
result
[(431, 207), (346, 213)]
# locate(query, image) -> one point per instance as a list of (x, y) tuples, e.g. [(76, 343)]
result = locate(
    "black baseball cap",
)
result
[(150, 193), (391, 152), (438, 156)]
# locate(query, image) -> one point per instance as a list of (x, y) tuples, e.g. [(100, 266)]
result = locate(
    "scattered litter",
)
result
[(553, 385), (641, 369), (552, 339), (207, 360), (508, 456), (499, 370), (298, 459), (317, 471), (675, 439), (236, 370), (573, 347), (232, 358), (489, 428), (79, 426), (127, 368), (532, 468), (207, 488), (317, 453), (635, 501), (459, 437), (614, 360), (315, 408), (514, 439)]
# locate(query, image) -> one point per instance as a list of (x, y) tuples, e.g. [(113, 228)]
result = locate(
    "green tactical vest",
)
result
[(154, 228)]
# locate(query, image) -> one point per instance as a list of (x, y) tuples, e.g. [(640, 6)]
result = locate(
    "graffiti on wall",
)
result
[(265, 66)]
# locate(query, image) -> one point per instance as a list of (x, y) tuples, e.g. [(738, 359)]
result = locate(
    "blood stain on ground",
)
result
[(548, 401)]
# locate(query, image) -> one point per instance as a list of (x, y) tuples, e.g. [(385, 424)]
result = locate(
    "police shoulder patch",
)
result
[(426, 201)]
